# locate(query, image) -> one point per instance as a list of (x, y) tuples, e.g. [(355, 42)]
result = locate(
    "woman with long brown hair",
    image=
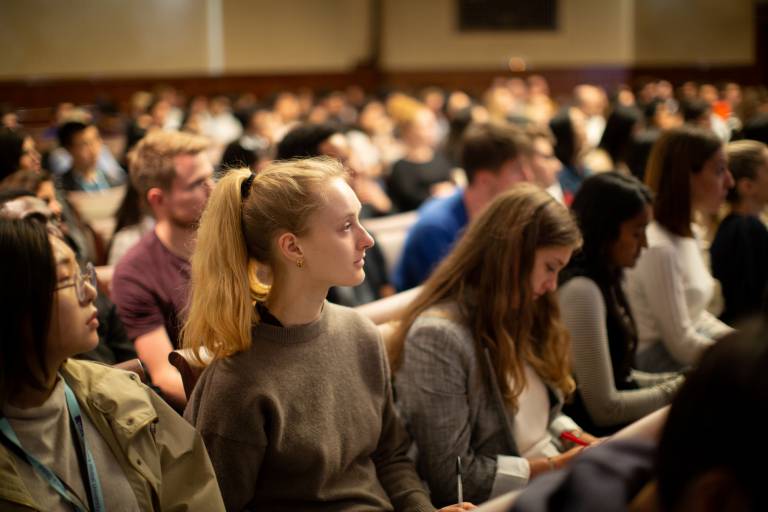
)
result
[(671, 286), (481, 358)]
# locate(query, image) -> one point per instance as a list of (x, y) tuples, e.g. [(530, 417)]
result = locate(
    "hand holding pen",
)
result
[(461, 505)]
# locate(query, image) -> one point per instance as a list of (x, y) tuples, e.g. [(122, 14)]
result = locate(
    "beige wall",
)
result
[(103, 38), (294, 35), (423, 35), (702, 32)]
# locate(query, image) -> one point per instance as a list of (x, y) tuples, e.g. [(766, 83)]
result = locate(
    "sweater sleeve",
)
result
[(433, 390), (234, 436), (584, 314), (394, 468), (663, 286)]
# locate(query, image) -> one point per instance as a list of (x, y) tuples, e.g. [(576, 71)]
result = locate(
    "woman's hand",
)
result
[(464, 505), (543, 465)]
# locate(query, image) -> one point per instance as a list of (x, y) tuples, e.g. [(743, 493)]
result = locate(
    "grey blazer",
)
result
[(453, 407)]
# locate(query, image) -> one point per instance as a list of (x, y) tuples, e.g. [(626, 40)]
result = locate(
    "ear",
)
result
[(526, 168), (484, 178), (155, 197), (289, 248), (745, 187)]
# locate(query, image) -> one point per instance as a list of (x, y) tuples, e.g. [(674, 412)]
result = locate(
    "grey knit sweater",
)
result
[(304, 420)]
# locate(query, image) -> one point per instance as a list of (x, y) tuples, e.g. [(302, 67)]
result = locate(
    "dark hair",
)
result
[(602, 204), (725, 395), (26, 180), (678, 154), (744, 159), (565, 138), (304, 141), (130, 212), (11, 150), (28, 274), (694, 109), (487, 146), (236, 156), (10, 194), (67, 131), (617, 137)]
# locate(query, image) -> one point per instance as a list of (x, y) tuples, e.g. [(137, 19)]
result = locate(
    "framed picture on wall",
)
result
[(507, 15)]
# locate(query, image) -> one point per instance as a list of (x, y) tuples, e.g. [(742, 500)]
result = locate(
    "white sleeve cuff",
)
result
[(562, 423), (512, 473)]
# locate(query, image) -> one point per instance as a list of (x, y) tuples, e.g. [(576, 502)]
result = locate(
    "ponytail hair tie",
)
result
[(245, 187)]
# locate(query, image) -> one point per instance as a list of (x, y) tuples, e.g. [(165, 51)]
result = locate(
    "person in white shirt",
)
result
[(671, 286)]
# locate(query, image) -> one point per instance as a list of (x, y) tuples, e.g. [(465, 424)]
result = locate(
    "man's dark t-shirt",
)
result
[(150, 288)]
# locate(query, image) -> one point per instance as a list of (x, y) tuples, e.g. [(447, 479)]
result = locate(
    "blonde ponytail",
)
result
[(222, 284), (235, 235)]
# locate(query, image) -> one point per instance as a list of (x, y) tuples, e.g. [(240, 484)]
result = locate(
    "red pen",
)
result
[(567, 436)]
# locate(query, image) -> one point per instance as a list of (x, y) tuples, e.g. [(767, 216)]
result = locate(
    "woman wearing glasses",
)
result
[(481, 357), (76, 435)]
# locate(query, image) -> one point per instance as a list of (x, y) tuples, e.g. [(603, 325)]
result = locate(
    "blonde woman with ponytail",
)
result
[(296, 408), (481, 357)]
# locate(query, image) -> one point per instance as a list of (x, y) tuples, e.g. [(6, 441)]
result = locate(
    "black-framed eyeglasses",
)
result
[(86, 276)]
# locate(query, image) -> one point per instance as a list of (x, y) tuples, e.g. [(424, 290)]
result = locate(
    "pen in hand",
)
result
[(459, 486), (567, 436)]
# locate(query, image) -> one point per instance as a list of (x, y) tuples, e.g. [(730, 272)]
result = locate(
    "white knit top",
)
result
[(669, 290)]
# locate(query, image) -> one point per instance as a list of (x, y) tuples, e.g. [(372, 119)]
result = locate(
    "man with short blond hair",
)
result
[(173, 175)]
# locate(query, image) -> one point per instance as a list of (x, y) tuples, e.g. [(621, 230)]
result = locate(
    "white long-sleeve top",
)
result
[(584, 314), (669, 290)]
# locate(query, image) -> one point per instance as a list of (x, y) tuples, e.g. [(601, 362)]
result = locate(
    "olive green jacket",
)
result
[(162, 456)]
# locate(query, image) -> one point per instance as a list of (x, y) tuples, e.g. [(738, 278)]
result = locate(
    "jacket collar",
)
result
[(116, 394)]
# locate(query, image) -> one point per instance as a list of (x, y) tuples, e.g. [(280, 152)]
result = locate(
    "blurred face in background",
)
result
[(544, 164), (30, 158), (85, 148)]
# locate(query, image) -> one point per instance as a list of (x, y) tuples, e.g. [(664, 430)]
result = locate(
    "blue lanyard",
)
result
[(95, 495)]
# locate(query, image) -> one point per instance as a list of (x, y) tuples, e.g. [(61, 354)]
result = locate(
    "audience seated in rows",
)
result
[(613, 211)]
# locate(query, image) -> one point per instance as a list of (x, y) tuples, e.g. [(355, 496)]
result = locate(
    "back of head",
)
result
[(238, 229), (151, 162), (488, 274), (695, 110), (617, 135), (488, 146), (745, 157), (28, 274), (11, 150), (675, 157), (703, 453), (304, 141), (565, 137), (601, 205)]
